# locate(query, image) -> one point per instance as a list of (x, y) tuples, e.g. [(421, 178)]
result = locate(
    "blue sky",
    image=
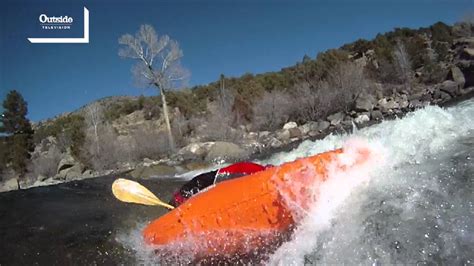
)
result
[(229, 37)]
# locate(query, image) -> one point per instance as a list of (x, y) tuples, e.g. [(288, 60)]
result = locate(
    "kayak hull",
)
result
[(244, 214)]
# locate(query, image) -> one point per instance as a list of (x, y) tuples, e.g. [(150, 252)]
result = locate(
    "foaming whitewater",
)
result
[(346, 175), (416, 208), (411, 203)]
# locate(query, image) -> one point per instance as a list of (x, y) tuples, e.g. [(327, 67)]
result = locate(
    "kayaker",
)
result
[(204, 180)]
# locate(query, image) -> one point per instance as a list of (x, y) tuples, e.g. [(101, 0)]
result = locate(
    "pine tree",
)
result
[(17, 130)]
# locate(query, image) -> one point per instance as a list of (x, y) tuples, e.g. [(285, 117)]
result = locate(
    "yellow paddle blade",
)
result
[(130, 191)]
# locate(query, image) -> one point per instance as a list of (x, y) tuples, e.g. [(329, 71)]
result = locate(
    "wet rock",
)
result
[(290, 125), (457, 76), (323, 125), (275, 143), (468, 53), (251, 136), (415, 96), (425, 98), (387, 106), (153, 171), (415, 104), (362, 119), (295, 133), (441, 95), (41, 178), (336, 119), (450, 87), (66, 162), (148, 162), (70, 173), (313, 133), (264, 134), (402, 101), (195, 150), (467, 90), (376, 115), (365, 103), (283, 135), (9, 185), (310, 126), (196, 165), (347, 122), (226, 151)]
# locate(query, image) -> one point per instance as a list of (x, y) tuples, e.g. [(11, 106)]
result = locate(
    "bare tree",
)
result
[(273, 109), (158, 64), (349, 81), (402, 64), (94, 116)]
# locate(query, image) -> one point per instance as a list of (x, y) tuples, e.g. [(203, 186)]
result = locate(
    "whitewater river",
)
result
[(413, 206)]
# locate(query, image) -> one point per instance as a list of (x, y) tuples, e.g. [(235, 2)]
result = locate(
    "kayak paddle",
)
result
[(130, 191)]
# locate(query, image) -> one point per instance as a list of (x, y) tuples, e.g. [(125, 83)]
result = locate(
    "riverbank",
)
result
[(260, 145)]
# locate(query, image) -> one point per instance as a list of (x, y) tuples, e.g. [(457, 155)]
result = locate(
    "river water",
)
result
[(414, 207)]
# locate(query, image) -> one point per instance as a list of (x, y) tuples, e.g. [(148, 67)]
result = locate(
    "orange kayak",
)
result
[(245, 214)]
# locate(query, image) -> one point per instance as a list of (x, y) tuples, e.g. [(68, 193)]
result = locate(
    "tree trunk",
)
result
[(97, 147), (167, 121)]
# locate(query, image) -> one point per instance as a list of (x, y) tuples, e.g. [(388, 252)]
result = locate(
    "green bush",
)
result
[(125, 107), (71, 127)]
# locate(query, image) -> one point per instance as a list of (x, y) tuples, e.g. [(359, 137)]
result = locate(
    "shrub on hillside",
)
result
[(150, 144), (108, 151), (69, 130), (121, 108)]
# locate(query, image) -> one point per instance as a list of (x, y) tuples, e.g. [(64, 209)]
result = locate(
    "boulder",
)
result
[(376, 115), (415, 104), (313, 133), (9, 185), (310, 126), (195, 150), (275, 143), (336, 119), (283, 135), (365, 103), (443, 96), (251, 136), (41, 178), (362, 119), (148, 162), (450, 87), (468, 53), (157, 170), (402, 101), (196, 165), (467, 90), (87, 173), (387, 105), (458, 77), (347, 122), (290, 125), (263, 134), (415, 96), (295, 133), (323, 125), (66, 162), (426, 97), (226, 151), (70, 173)]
